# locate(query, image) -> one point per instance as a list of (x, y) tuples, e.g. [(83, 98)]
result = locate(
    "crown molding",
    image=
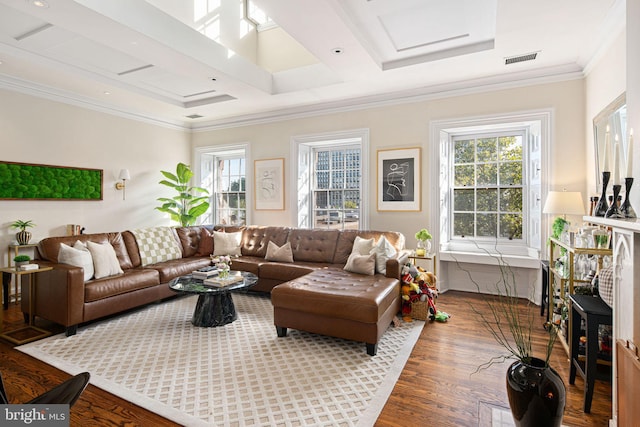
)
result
[(467, 87), (461, 88), (70, 98)]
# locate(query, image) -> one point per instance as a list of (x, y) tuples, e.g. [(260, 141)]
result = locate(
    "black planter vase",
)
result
[(536, 394)]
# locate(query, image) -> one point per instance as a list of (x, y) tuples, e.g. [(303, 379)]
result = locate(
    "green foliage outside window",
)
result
[(488, 187)]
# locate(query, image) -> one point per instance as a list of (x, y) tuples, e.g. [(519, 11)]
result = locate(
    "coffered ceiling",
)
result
[(144, 59)]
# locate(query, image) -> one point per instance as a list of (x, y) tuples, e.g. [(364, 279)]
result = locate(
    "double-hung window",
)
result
[(223, 173), (331, 180), (490, 180), (488, 186)]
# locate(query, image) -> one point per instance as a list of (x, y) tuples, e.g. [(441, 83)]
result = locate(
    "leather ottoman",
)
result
[(337, 303)]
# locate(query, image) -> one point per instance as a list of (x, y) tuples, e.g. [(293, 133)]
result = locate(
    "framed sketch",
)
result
[(269, 184), (398, 183)]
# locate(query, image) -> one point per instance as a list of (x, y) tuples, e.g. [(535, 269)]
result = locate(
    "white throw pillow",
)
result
[(105, 261), (279, 253), (227, 243), (362, 246), (383, 251), (361, 264), (79, 256)]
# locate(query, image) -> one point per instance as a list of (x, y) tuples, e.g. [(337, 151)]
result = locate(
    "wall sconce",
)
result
[(124, 176)]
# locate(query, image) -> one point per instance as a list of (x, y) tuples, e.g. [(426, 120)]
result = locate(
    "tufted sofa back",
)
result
[(49, 248)]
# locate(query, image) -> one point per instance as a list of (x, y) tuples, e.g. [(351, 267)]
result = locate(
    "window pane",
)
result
[(511, 226), (464, 176), (511, 173), (337, 160), (511, 200), (463, 224), (321, 199), (487, 174), (487, 200), (337, 179), (510, 147), (322, 180), (322, 160), (487, 225), (335, 199), (463, 200), (463, 151), (486, 150)]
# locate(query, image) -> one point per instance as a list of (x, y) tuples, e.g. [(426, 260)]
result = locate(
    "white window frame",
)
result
[(538, 125), (301, 149), (223, 151)]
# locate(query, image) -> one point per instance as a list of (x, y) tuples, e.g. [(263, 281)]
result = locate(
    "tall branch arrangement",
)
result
[(503, 316)]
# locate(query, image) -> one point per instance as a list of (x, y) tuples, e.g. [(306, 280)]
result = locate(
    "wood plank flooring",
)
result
[(436, 387)]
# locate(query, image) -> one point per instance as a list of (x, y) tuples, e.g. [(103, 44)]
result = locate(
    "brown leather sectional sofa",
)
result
[(348, 300)]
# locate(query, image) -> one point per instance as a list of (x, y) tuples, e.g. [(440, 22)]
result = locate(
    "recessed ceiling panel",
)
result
[(160, 80), (89, 54)]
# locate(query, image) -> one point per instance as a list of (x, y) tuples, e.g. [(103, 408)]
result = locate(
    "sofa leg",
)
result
[(372, 349), (282, 332), (71, 330)]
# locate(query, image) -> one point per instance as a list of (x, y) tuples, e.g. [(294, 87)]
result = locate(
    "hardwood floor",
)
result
[(438, 385)]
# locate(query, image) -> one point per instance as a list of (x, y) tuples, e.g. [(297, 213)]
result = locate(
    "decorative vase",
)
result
[(23, 237), (224, 273), (423, 247), (537, 394)]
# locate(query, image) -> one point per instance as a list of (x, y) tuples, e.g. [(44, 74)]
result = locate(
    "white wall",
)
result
[(407, 125), (34, 130), (604, 83)]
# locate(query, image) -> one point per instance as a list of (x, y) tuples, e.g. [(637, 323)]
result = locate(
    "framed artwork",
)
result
[(398, 183), (269, 184), (25, 181)]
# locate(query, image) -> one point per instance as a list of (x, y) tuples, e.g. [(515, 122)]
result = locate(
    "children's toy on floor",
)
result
[(419, 291)]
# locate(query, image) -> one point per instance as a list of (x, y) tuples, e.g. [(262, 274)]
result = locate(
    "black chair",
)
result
[(66, 393), (595, 312)]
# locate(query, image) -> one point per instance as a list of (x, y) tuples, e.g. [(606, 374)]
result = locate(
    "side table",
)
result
[(12, 251), (431, 257), (33, 278)]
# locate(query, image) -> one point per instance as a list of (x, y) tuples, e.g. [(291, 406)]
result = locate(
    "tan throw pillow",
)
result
[(361, 264), (362, 246), (279, 253), (78, 256), (383, 251), (105, 261), (227, 243), (205, 248)]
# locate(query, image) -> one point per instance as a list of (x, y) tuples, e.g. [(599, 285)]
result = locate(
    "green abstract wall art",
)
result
[(23, 181)]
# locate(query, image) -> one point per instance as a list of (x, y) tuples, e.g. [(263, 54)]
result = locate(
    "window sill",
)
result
[(519, 261)]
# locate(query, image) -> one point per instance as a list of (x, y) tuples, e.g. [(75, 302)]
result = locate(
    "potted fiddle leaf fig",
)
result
[(23, 236), (189, 203)]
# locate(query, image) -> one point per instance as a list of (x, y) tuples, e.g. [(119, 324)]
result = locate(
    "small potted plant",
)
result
[(21, 260), (23, 236), (424, 242)]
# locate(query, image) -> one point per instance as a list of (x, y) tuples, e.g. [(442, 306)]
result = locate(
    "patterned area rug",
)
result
[(240, 374)]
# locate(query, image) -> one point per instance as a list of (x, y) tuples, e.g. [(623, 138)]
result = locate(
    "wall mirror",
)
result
[(614, 115)]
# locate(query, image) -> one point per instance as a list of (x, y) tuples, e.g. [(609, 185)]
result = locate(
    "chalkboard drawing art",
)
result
[(398, 183)]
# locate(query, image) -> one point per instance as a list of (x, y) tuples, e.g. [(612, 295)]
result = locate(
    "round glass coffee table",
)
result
[(215, 305)]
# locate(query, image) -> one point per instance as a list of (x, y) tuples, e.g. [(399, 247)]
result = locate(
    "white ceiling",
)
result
[(156, 68)]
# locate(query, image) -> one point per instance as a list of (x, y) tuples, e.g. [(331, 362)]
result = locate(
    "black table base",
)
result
[(214, 310)]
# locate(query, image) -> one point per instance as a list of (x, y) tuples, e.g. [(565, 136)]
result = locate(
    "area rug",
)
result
[(240, 374)]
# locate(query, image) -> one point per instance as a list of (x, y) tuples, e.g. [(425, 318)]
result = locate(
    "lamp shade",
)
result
[(564, 202), (124, 174)]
